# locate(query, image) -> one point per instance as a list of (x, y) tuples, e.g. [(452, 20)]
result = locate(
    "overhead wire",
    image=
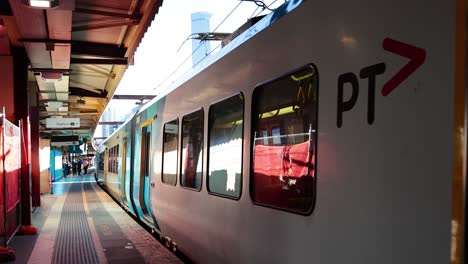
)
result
[(264, 6), (263, 9), (259, 4), (255, 11), (198, 47)]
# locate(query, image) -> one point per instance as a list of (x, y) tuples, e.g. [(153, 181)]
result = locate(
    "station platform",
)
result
[(79, 223)]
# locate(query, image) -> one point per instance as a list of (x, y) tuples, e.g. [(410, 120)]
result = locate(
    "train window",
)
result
[(101, 161), (264, 132), (112, 161), (108, 152), (225, 134), (283, 167), (276, 135), (122, 175), (192, 150), (170, 140), (145, 151), (124, 155), (116, 159), (145, 166), (109, 160)]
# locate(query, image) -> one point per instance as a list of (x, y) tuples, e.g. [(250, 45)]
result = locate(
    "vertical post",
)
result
[(26, 181), (51, 173), (35, 164), (52, 168), (20, 125), (4, 180), (310, 149)]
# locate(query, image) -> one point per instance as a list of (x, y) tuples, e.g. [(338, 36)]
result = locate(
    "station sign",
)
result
[(59, 141), (62, 122)]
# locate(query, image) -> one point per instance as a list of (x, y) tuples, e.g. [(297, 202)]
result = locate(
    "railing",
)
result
[(10, 181), (285, 140)]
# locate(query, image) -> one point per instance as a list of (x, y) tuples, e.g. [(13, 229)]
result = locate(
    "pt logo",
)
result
[(417, 57)]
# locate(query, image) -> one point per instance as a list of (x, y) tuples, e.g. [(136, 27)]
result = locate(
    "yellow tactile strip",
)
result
[(115, 243), (44, 247), (74, 241), (93, 200), (149, 248)]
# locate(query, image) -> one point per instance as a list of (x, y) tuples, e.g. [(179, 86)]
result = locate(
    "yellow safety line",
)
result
[(85, 202), (92, 228)]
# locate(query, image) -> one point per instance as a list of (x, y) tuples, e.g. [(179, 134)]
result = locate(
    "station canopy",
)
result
[(78, 52)]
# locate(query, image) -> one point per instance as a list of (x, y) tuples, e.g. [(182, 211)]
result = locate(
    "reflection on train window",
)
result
[(192, 150), (145, 171), (264, 133), (101, 161), (145, 151), (170, 137), (113, 159), (276, 135), (225, 147), (124, 155), (122, 175), (283, 160)]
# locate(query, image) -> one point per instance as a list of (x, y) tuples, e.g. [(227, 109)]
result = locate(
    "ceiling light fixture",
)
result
[(52, 76), (54, 104), (42, 4), (81, 101)]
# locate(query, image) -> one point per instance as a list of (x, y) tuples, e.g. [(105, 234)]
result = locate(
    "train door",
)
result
[(100, 167), (129, 181), (106, 164), (145, 171), (123, 172)]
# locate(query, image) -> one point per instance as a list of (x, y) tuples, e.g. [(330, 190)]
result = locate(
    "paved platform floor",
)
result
[(80, 223)]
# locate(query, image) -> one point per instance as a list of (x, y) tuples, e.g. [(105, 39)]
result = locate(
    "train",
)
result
[(327, 132)]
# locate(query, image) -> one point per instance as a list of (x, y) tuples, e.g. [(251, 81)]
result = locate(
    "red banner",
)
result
[(276, 161), (11, 167)]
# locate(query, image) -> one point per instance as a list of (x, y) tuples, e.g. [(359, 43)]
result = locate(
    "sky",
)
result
[(164, 55)]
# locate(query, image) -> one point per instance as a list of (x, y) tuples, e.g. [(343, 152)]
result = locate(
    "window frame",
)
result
[(242, 149), (146, 148), (123, 166), (177, 154), (123, 155), (252, 144), (145, 152), (116, 158), (202, 149), (112, 159)]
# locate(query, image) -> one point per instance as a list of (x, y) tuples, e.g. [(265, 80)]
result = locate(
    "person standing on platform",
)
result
[(65, 168), (79, 166), (85, 166), (69, 167), (74, 166)]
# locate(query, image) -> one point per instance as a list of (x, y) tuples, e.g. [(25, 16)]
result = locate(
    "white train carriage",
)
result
[(328, 132)]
